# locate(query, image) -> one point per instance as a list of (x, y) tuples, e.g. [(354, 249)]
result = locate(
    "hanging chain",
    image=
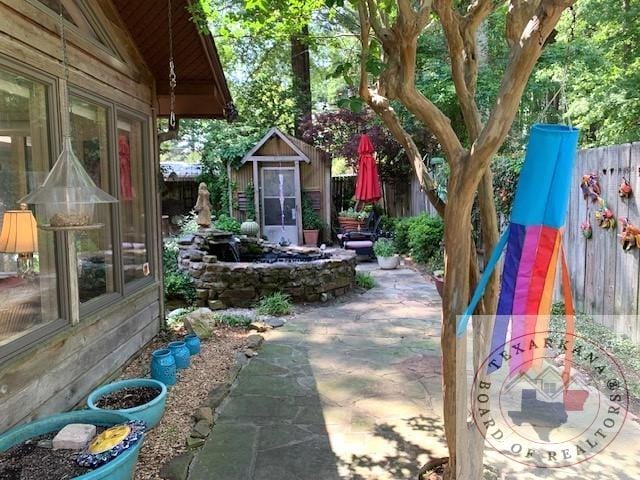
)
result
[(172, 73), (565, 70), (65, 67)]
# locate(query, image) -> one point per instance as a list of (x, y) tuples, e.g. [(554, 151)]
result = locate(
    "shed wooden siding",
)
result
[(315, 176), (58, 372)]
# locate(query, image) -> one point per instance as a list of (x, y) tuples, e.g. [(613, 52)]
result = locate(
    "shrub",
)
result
[(425, 237), (384, 247), (365, 280), (232, 319), (620, 347), (388, 225), (436, 262), (401, 234), (227, 224), (177, 284), (310, 218), (275, 304)]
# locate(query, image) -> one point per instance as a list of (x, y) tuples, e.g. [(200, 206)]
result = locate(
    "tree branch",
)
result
[(523, 57), (518, 15)]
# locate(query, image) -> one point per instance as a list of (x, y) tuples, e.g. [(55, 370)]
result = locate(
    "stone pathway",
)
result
[(343, 391)]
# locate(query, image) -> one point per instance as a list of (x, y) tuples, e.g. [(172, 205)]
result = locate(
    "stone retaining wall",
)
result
[(228, 284)]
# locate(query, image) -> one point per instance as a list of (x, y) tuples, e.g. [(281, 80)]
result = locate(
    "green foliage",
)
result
[(227, 224), (177, 284), (388, 225), (275, 304), (176, 318), (425, 237), (436, 261), (249, 193), (365, 280), (310, 218), (384, 247), (232, 319), (188, 223), (505, 177), (401, 233), (620, 347), (352, 213)]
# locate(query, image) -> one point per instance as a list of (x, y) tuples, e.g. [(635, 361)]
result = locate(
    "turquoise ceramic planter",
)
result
[(150, 413), (163, 367), (193, 343), (121, 468), (181, 354)]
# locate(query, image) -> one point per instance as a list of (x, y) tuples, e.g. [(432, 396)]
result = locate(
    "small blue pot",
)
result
[(193, 343), (163, 367), (121, 468), (150, 413), (180, 353)]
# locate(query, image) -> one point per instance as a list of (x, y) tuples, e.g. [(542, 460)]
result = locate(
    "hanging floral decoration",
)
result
[(605, 217), (590, 187), (587, 231), (625, 190), (630, 236)]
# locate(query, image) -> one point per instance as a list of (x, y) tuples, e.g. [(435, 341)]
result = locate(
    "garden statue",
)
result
[(203, 206)]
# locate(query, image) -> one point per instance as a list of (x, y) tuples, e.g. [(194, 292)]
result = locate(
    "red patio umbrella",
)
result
[(368, 182)]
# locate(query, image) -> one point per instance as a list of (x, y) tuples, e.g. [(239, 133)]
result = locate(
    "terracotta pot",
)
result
[(348, 224), (311, 237), (438, 279)]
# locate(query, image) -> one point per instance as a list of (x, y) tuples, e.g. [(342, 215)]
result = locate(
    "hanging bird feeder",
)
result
[(68, 196)]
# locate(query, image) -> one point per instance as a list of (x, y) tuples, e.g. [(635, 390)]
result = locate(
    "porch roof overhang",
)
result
[(202, 90)]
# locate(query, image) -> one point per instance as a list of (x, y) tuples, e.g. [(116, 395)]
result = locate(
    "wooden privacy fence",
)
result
[(605, 277)]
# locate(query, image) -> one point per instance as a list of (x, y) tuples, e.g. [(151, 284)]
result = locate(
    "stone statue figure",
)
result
[(203, 206)]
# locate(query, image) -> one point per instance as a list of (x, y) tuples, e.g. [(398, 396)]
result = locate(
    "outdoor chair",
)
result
[(362, 241)]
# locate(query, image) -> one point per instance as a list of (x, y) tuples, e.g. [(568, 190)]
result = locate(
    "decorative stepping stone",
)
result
[(74, 436)]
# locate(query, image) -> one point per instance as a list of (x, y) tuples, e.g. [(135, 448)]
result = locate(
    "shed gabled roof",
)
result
[(297, 148), (202, 90)]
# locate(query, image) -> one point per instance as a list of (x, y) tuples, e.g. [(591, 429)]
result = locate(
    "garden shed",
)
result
[(285, 170), (55, 346)]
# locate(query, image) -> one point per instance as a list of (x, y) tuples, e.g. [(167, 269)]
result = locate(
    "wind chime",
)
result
[(173, 79), (65, 202)]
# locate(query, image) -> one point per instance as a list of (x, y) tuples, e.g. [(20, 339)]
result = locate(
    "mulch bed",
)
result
[(210, 367), (127, 398)]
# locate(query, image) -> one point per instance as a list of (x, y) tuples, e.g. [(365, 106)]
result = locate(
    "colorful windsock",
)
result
[(533, 242)]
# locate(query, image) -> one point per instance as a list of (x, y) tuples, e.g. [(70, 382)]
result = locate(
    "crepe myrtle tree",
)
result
[(389, 33)]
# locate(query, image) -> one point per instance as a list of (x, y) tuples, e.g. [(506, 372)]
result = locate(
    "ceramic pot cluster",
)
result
[(166, 362)]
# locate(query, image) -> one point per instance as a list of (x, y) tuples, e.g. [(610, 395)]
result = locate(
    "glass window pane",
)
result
[(90, 138), (131, 162), (273, 213), (272, 183), (28, 287)]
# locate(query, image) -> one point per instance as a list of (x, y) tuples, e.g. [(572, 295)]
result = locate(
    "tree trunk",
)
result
[(301, 79)]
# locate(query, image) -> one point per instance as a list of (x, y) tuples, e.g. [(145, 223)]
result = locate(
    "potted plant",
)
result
[(137, 399), (120, 468), (436, 265), (386, 253), (351, 220), (311, 223)]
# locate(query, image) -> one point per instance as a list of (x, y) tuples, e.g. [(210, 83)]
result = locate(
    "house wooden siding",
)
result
[(56, 373), (315, 176)]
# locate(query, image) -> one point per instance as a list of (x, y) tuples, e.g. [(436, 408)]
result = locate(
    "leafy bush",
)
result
[(352, 213), (188, 223), (232, 319), (384, 247), (401, 234), (388, 225), (436, 262), (620, 347), (275, 304), (227, 224), (310, 218), (425, 237), (365, 280), (177, 284)]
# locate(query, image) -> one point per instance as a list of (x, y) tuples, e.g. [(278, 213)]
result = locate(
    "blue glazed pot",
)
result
[(150, 413), (180, 354), (163, 366), (193, 343), (121, 468)]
